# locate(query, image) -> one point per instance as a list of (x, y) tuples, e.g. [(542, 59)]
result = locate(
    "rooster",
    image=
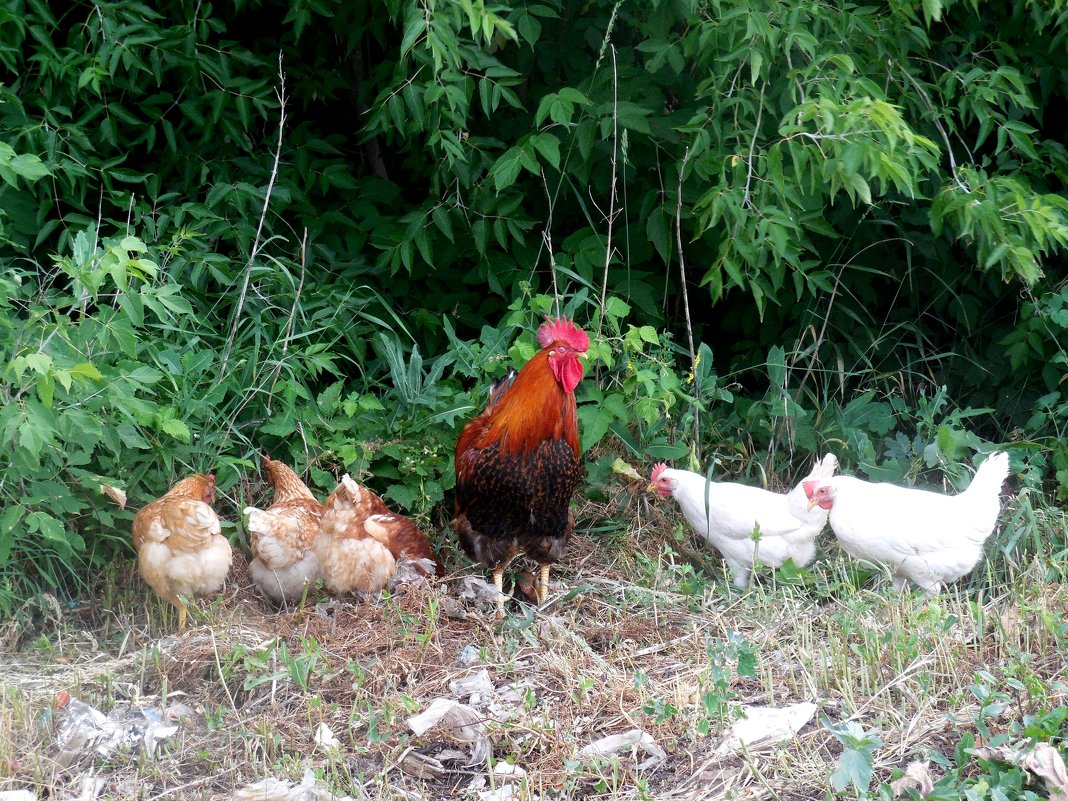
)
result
[(181, 551), (283, 563), (517, 462), (360, 541), (748, 524), (924, 537)]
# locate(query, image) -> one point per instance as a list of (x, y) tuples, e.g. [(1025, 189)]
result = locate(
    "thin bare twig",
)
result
[(937, 124), (547, 240), (256, 242), (289, 323), (686, 303), (752, 148), (612, 186)]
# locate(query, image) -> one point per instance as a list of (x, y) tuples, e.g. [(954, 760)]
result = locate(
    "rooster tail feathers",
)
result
[(990, 475)]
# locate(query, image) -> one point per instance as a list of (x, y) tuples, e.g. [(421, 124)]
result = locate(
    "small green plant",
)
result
[(855, 765)]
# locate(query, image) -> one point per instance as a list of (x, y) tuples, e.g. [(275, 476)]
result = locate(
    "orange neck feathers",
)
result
[(534, 409), (287, 484), (200, 486)]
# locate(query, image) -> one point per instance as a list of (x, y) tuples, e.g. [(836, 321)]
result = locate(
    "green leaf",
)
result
[(549, 148), (176, 429)]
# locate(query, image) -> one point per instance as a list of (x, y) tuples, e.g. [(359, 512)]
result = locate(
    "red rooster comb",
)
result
[(660, 468), (564, 330), (810, 487)]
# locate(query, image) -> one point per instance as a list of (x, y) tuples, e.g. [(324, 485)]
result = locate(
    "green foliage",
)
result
[(855, 765)]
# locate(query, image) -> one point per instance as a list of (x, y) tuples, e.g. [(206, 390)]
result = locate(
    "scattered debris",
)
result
[(767, 723), (17, 795), (453, 608), (83, 728), (116, 494), (271, 789), (508, 770), (633, 740), (917, 777), (469, 655), (505, 792), (475, 688), (420, 765), (457, 721), (411, 571), (325, 738), (1044, 761), (478, 593)]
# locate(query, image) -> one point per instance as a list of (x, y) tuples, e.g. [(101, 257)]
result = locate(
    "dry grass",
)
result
[(631, 651)]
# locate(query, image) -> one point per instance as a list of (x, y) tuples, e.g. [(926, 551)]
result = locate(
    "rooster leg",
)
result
[(498, 582), (182, 611), (543, 583)]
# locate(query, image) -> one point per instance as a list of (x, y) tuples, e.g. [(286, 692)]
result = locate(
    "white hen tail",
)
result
[(825, 467), (990, 475)]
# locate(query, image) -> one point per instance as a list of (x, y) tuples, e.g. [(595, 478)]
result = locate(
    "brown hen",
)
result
[(281, 537), (181, 552), (360, 540)]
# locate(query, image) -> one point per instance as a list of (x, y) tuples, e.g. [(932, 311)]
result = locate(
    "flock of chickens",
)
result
[(517, 466)]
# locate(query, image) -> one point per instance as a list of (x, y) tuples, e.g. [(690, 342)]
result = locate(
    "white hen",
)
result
[(748, 524), (926, 537)]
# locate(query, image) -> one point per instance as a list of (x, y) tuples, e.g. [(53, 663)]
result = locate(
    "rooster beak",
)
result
[(651, 488), (583, 355), (813, 503)]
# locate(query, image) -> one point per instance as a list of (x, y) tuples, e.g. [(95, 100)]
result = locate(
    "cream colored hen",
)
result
[(924, 537), (360, 540), (181, 552), (283, 562)]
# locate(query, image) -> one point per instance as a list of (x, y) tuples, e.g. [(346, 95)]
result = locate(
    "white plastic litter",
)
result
[(767, 723), (271, 789), (456, 721), (325, 738), (475, 688), (83, 728), (632, 741)]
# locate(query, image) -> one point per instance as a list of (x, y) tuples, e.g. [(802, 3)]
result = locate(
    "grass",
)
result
[(654, 640)]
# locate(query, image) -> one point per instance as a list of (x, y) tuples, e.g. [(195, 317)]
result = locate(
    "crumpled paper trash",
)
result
[(82, 729), (271, 789), (767, 723), (458, 722), (325, 738), (632, 741)]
